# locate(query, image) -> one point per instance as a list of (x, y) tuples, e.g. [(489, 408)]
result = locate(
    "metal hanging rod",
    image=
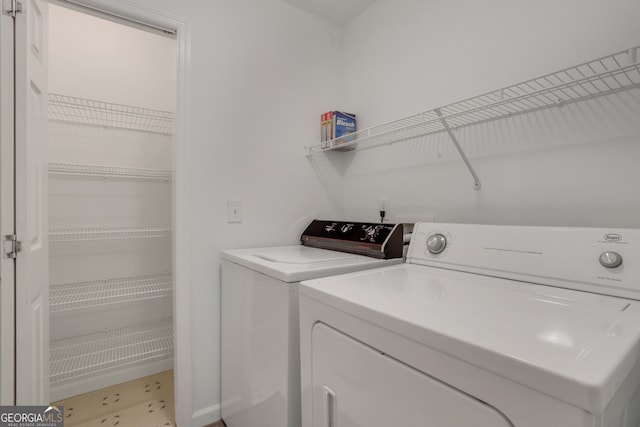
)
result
[(100, 12)]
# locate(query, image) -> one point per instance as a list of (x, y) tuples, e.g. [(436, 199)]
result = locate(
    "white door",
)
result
[(32, 265)]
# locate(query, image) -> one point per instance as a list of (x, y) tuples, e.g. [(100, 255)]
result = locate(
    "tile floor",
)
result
[(145, 402)]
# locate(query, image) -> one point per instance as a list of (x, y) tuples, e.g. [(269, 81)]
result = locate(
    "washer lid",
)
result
[(299, 255), (296, 263), (575, 346)]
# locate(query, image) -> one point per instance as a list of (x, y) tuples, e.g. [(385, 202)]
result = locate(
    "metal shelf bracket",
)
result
[(476, 180)]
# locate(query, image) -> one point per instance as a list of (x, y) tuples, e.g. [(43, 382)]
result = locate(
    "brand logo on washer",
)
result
[(612, 237)]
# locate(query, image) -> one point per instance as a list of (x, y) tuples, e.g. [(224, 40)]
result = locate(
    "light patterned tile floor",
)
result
[(145, 402)]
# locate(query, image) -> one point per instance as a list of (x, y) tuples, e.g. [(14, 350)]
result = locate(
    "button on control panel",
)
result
[(436, 243), (610, 259)]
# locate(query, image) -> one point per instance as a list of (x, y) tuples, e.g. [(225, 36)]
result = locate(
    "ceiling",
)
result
[(336, 11)]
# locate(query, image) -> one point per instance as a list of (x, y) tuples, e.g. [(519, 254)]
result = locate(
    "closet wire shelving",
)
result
[(96, 293), (86, 355), (603, 76), (76, 360), (73, 234), (99, 113), (113, 172)]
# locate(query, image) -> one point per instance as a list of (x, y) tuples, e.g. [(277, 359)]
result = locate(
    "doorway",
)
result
[(111, 103), (106, 174)]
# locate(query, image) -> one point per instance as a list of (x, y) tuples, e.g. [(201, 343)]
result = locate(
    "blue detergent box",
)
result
[(337, 125), (343, 125)]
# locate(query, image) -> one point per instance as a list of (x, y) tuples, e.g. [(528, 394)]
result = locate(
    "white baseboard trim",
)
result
[(206, 416)]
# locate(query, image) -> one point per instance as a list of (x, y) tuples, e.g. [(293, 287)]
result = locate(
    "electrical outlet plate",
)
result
[(234, 211)]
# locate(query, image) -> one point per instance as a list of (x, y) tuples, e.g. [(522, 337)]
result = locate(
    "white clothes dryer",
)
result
[(483, 326), (260, 360)]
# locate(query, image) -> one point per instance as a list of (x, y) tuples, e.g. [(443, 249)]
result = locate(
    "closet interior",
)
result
[(110, 203)]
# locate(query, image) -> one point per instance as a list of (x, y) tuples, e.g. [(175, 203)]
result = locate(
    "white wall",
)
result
[(262, 72), (575, 166)]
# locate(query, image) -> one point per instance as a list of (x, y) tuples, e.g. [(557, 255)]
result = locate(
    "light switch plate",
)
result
[(234, 211)]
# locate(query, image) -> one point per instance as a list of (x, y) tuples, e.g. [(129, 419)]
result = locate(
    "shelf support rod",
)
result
[(476, 180)]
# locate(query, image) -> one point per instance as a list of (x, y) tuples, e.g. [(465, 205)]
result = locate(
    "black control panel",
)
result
[(363, 238)]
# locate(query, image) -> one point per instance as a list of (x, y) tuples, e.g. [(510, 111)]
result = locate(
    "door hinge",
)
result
[(11, 246), (11, 7)]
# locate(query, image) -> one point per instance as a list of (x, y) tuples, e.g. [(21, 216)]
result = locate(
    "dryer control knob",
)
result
[(436, 243), (610, 259)]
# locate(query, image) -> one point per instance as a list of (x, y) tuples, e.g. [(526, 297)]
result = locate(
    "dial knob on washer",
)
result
[(610, 259), (436, 243)]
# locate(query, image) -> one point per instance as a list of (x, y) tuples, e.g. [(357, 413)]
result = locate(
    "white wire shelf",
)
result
[(100, 171), (603, 76), (97, 113), (105, 233), (86, 355), (79, 295)]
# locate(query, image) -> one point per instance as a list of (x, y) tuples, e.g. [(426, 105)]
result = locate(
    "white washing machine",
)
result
[(483, 326), (260, 360)]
